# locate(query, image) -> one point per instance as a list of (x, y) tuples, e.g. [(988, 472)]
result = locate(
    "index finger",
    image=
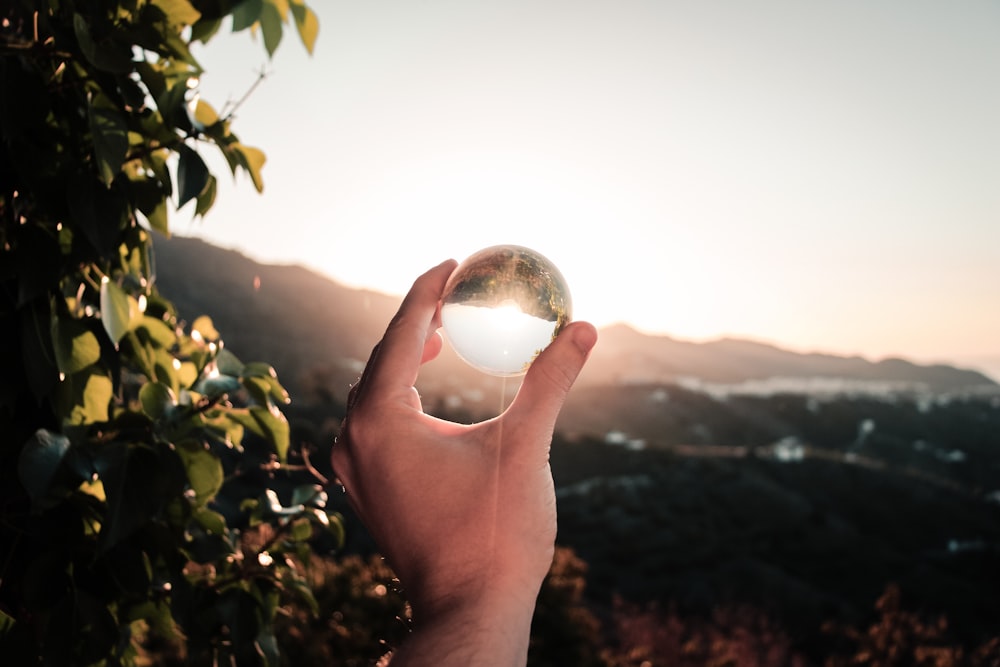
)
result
[(401, 351)]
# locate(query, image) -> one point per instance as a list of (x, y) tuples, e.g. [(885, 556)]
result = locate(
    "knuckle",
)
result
[(557, 376)]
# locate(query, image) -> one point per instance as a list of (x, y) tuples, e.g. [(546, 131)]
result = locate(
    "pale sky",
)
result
[(822, 175)]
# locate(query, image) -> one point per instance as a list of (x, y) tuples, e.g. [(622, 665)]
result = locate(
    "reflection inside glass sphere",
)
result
[(502, 306)]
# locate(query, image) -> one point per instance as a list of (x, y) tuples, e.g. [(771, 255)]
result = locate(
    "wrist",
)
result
[(485, 626)]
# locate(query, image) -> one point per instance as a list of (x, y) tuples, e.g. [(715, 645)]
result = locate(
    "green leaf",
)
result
[(259, 369), (149, 189), (204, 30), (270, 26), (309, 494), (220, 428), (204, 114), (115, 311), (178, 46), (106, 54), (206, 330), (192, 175), (178, 12), (75, 346), (156, 162), (207, 197), (157, 331), (257, 388), (144, 356), (157, 399), (211, 522), (157, 614), (187, 374), (336, 528), (301, 529), (138, 481), (228, 363), (39, 463), (269, 424), (246, 14), (274, 427), (110, 136), (266, 390), (204, 471), (262, 382), (251, 159), (85, 397), (158, 219), (307, 23), (280, 6), (173, 104), (165, 371), (217, 385), (151, 74)]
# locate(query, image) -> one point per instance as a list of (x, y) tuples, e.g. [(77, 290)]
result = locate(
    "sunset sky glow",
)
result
[(821, 175)]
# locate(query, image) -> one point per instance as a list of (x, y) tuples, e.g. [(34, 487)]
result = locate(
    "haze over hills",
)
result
[(309, 326)]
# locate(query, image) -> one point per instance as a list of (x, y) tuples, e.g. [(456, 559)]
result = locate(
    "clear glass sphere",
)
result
[(502, 306)]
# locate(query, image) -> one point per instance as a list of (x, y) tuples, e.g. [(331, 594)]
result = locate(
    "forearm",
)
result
[(481, 632)]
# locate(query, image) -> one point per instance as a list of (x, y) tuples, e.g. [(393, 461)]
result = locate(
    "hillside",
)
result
[(314, 330), (630, 357), (305, 325)]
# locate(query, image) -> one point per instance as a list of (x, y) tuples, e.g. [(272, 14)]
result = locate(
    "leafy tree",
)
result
[(144, 483)]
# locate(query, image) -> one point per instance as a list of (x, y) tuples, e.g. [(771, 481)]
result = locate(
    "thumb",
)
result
[(551, 376)]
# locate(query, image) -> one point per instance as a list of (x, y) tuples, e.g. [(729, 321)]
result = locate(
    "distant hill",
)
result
[(630, 357), (299, 321), (318, 334)]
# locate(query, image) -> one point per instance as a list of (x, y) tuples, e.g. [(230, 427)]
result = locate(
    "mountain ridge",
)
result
[(747, 359), (313, 329)]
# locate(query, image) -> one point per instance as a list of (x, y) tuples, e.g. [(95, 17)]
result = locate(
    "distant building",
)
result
[(788, 450), (621, 439)]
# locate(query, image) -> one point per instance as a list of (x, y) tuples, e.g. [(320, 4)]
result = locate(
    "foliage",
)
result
[(363, 614), (564, 631), (145, 484), (805, 541), (900, 637), (730, 636)]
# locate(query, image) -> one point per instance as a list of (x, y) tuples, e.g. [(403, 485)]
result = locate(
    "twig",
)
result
[(231, 107), (309, 466)]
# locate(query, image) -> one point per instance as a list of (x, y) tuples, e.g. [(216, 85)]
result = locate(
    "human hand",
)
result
[(465, 514)]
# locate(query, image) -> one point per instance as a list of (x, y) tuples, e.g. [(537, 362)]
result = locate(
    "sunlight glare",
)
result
[(500, 341), (502, 306)]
